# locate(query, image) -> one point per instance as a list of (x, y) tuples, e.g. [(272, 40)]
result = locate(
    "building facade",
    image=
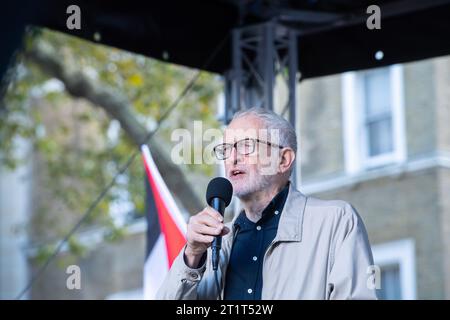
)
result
[(380, 139)]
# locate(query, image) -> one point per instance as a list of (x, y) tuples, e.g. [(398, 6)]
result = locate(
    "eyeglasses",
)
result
[(243, 147)]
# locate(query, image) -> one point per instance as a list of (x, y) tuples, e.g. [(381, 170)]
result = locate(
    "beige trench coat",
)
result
[(321, 251)]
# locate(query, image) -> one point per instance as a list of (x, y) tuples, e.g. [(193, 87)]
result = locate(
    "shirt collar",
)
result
[(276, 204)]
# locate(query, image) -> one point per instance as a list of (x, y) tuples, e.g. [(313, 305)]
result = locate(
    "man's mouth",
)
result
[(236, 173)]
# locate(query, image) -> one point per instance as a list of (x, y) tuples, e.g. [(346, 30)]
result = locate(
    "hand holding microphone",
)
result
[(206, 227)]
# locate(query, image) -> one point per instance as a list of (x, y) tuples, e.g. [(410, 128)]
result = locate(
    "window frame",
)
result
[(355, 129), (401, 252)]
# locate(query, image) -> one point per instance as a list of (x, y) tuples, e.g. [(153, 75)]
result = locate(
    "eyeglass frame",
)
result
[(234, 146)]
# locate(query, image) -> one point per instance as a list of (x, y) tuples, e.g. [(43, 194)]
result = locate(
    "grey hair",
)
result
[(288, 137)]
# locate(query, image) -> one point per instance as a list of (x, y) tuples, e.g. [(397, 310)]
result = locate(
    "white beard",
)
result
[(251, 185)]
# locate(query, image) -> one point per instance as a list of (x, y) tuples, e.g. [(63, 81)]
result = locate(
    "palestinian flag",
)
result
[(166, 227)]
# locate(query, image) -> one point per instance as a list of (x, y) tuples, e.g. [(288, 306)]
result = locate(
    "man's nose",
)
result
[(234, 156)]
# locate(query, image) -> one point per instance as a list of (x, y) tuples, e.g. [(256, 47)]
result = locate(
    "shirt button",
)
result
[(250, 291), (194, 275), (255, 258), (277, 212), (258, 228)]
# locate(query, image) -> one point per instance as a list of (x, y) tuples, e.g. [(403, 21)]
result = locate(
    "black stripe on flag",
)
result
[(153, 228)]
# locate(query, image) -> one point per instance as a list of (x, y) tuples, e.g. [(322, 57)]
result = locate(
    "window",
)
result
[(378, 112), (390, 283), (397, 264), (373, 118)]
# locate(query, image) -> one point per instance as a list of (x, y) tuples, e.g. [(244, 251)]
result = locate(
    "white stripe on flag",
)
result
[(157, 263), (165, 193), (155, 268)]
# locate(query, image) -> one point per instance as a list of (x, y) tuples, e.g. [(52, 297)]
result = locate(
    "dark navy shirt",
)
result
[(244, 272)]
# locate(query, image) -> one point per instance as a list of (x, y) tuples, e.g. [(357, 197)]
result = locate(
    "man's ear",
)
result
[(287, 158)]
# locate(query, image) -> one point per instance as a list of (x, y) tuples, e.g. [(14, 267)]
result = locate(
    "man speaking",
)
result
[(283, 244)]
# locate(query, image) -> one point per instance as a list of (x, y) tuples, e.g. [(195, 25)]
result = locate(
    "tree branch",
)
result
[(118, 107)]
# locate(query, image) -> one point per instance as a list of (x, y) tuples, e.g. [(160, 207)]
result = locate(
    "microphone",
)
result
[(218, 196)]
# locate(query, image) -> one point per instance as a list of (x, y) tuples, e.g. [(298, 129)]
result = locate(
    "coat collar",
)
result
[(291, 221)]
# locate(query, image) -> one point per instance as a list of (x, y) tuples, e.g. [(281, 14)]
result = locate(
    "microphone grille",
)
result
[(219, 188)]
